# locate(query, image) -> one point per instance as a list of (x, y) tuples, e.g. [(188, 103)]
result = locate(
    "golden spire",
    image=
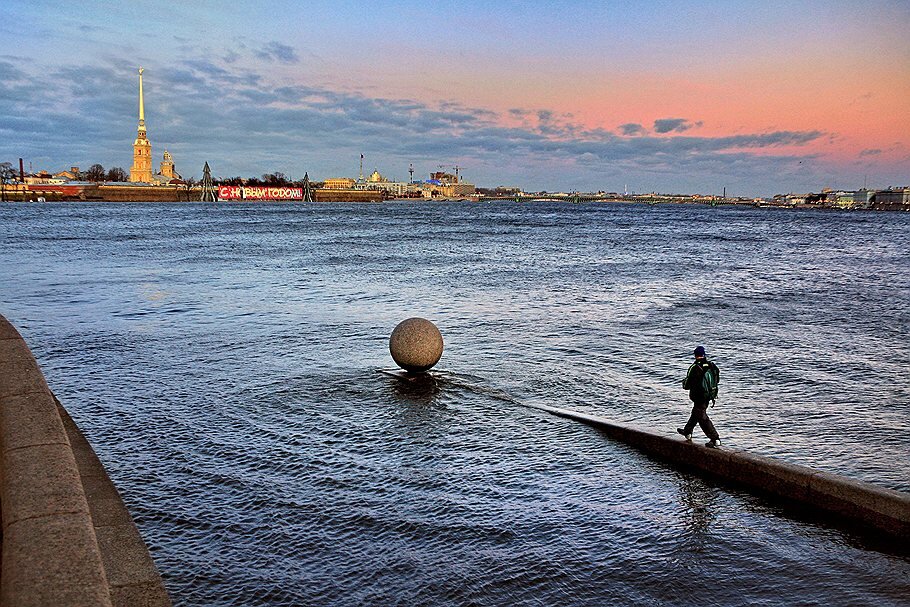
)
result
[(141, 171), (141, 105)]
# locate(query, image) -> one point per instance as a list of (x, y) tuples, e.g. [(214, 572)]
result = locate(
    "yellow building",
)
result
[(339, 183), (70, 175), (456, 190), (141, 171), (167, 166)]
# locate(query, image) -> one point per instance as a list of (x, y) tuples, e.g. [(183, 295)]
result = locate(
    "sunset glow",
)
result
[(757, 97)]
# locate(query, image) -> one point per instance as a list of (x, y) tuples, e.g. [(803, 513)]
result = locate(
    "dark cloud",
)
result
[(275, 51), (630, 129), (218, 75), (871, 152), (765, 140), (668, 125)]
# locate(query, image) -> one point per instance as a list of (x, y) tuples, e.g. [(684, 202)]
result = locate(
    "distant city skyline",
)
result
[(757, 98)]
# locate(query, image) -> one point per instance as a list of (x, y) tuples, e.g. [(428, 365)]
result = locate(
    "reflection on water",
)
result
[(699, 503), (414, 388), (223, 360)]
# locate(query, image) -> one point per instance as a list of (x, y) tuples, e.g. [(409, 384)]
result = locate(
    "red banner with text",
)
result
[(236, 192)]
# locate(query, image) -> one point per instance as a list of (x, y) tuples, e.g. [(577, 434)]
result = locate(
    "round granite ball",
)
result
[(416, 345)]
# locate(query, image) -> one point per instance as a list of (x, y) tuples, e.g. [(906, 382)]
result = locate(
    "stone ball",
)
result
[(416, 345)]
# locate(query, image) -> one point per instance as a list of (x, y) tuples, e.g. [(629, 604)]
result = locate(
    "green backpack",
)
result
[(709, 381)]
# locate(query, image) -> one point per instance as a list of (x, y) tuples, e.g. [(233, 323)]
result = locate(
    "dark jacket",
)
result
[(692, 383)]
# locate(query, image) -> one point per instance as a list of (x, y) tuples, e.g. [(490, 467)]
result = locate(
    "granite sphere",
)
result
[(416, 345)]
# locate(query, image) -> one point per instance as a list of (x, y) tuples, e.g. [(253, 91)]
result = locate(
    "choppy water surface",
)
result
[(223, 362)]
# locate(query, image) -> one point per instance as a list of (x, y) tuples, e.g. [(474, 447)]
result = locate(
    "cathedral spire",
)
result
[(141, 171), (141, 105)]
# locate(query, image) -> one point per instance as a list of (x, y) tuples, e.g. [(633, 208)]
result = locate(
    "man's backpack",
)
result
[(709, 381)]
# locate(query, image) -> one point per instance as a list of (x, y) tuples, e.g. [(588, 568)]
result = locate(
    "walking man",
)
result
[(701, 382)]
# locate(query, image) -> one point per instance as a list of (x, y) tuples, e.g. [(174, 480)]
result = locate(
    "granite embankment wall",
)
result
[(864, 503), (67, 537)]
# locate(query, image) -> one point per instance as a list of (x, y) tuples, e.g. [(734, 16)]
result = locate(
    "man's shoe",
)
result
[(713, 444), (683, 432)]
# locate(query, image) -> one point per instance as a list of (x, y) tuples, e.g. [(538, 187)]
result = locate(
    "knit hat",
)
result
[(700, 351)]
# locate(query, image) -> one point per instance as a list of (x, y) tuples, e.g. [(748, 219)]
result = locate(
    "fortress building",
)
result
[(167, 166), (168, 174), (141, 171)]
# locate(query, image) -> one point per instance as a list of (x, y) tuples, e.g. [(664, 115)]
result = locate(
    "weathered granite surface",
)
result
[(416, 344), (68, 539)]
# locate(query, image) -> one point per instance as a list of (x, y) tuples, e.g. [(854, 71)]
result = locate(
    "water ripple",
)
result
[(223, 361)]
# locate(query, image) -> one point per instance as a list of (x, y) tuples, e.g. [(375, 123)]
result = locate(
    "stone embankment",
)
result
[(870, 506), (67, 537)]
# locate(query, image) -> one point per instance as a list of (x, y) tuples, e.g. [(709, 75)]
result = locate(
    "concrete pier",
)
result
[(67, 538), (864, 503)]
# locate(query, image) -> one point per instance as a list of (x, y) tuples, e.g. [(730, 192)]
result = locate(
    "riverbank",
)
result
[(68, 539), (323, 196)]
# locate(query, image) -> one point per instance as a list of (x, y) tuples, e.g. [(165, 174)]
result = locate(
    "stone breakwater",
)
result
[(873, 507), (67, 537)]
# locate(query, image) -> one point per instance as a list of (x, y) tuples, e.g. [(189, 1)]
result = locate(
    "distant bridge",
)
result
[(575, 198)]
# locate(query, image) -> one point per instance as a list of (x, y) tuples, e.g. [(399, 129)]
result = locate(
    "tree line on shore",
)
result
[(96, 172), (276, 179)]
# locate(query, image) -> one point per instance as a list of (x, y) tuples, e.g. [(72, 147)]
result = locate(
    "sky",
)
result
[(759, 98)]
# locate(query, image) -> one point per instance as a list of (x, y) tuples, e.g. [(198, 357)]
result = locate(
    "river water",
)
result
[(223, 360)]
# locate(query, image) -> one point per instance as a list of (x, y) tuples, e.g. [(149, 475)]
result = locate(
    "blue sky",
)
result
[(759, 98)]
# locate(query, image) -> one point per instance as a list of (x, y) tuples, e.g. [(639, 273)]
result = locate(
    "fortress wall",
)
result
[(118, 193), (869, 505), (67, 537), (328, 195)]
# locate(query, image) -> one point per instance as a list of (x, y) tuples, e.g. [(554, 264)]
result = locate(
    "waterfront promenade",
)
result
[(67, 537)]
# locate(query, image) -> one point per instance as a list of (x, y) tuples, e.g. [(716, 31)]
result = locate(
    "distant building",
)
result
[(841, 199), (456, 190), (339, 183), (507, 190), (395, 189), (450, 186), (439, 185), (443, 177), (44, 178), (862, 198), (893, 196), (167, 166), (167, 174), (71, 175)]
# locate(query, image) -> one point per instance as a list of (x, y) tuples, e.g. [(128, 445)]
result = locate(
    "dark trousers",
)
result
[(700, 416)]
